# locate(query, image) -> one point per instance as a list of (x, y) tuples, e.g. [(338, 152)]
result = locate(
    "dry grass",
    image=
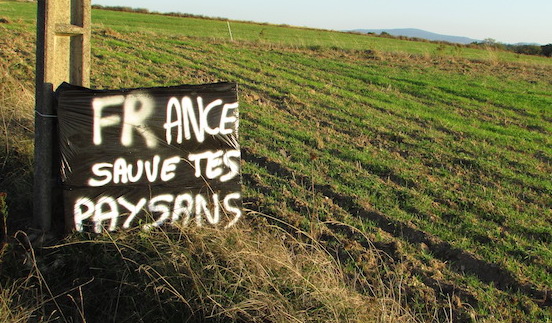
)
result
[(16, 93), (16, 124), (255, 273), (10, 312)]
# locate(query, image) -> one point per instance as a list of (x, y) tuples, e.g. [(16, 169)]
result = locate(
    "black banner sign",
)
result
[(149, 157)]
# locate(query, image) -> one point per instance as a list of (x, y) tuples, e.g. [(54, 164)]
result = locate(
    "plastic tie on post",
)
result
[(45, 115)]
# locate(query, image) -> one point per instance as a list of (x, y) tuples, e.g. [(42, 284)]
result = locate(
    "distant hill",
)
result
[(418, 33)]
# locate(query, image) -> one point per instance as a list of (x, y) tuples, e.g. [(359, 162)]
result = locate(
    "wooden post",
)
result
[(62, 55)]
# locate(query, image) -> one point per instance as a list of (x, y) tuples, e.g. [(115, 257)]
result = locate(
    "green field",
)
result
[(440, 155)]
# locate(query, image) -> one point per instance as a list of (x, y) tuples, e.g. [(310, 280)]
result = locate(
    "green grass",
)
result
[(272, 34), (441, 157)]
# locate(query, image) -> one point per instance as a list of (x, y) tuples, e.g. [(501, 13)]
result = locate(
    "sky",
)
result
[(506, 21)]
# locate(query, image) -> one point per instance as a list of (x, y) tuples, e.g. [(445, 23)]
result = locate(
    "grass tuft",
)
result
[(249, 274)]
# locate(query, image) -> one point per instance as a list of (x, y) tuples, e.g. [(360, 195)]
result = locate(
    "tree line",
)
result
[(526, 49)]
